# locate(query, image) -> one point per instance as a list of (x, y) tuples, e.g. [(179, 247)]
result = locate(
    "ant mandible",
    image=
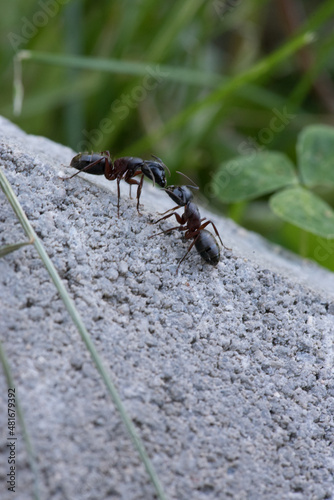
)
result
[(180, 194), (124, 168), (190, 222)]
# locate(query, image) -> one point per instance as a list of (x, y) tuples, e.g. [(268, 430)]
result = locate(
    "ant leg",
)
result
[(214, 227), (139, 184), (185, 255), (180, 228), (109, 169), (71, 176), (118, 195), (174, 208), (139, 191), (216, 231), (178, 217), (129, 176)]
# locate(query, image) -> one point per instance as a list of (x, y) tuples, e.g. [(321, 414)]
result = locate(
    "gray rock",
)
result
[(227, 372)]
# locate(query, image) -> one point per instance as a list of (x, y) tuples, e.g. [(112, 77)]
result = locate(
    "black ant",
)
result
[(191, 222), (122, 168)]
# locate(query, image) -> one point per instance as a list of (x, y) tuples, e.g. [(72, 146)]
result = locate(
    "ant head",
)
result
[(180, 194), (155, 170), (161, 163)]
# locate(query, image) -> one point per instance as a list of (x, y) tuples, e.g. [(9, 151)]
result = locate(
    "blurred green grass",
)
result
[(189, 123)]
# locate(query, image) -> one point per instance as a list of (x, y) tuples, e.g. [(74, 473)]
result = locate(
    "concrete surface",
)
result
[(227, 372)]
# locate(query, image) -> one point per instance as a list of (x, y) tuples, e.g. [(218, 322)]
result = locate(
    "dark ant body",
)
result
[(90, 163), (181, 194), (207, 246), (124, 168), (191, 222)]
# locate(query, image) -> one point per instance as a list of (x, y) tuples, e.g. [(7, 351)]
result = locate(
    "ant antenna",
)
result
[(194, 186)]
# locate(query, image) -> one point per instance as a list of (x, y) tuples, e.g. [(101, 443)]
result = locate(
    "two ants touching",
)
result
[(126, 168)]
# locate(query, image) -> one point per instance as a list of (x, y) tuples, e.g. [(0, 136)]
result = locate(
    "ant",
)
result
[(122, 168), (191, 222)]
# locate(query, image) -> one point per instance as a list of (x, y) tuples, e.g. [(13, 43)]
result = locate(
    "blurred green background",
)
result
[(194, 82)]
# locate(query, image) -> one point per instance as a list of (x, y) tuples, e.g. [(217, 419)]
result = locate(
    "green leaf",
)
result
[(304, 209), (6, 249), (315, 151), (248, 177)]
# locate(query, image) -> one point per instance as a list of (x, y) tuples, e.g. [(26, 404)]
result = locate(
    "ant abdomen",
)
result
[(208, 248), (95, 162)]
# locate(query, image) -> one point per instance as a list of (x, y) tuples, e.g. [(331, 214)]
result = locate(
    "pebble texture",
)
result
[(227, 372)]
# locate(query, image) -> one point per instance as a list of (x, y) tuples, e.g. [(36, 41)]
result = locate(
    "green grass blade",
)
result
[(260, 69), (133, 68), (179, 16), (186, 76), (18, 90), (320, 64), (320, 17), (39, 102), (69, 304), (6, 249), (74, 111), (81, 87)]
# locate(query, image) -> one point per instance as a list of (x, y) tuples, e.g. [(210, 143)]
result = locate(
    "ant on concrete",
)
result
[(124, 168), (190, 222)]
